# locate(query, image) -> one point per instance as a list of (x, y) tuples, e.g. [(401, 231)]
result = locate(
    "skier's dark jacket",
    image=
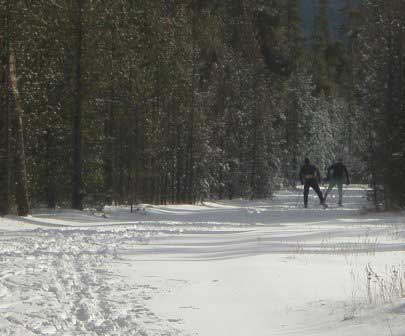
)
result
[(338, 169), (309, 172)]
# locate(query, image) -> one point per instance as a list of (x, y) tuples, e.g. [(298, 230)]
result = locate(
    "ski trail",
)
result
[(75, 292), (108, 276)]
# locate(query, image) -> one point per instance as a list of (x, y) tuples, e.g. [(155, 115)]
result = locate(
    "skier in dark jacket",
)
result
[(336, 174), (310, 176)]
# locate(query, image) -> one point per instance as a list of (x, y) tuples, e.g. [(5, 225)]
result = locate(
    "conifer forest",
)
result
[(177, 101)]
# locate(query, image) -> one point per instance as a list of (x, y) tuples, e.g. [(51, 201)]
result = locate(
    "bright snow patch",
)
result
[(216, 269)]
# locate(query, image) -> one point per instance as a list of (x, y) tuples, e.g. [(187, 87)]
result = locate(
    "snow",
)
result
[(215, 269)]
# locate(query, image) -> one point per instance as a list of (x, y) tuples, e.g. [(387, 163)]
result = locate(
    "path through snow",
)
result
[(59, 282), (222, 268)]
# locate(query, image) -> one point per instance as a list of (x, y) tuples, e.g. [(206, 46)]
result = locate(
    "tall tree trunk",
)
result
[(132, 160), (51, 183), (110, 124), (254, 158), (179, 166), (21, 196), (4, 148), (77, 193), (4, 118), (190, 143), (108, 157)]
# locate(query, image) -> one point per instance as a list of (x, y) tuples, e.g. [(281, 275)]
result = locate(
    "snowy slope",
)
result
[(220, 268)]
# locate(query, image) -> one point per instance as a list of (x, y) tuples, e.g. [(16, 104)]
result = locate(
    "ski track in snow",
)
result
[(59, 283), (58, 270)]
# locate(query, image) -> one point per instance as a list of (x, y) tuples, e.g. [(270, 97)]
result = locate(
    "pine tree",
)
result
[(321, 41), (381, 38), (77, 183), (168, 101), (4, 111), (21, 193)]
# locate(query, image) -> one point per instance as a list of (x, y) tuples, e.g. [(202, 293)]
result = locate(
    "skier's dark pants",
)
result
[(314, 184), (339, 182)]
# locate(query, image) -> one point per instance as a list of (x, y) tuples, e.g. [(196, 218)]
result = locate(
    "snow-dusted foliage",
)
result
[(169, 102), (380, 84)]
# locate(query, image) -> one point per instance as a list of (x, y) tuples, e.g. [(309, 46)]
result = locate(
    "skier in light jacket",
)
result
[(336, 175)]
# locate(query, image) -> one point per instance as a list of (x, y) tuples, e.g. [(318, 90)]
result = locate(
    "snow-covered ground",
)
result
[(221, 268)]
